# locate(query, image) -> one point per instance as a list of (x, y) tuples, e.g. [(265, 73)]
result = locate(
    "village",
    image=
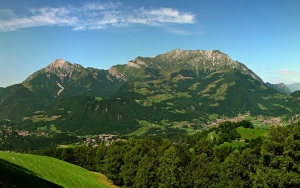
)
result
[(95, 140)]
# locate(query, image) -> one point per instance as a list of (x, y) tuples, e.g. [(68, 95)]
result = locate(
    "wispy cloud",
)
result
[(183, 32), (96, 16), (286, 72)]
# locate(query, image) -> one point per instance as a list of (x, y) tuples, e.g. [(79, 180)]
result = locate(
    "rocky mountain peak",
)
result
[(58, 64), (211, 60), (59, 67)]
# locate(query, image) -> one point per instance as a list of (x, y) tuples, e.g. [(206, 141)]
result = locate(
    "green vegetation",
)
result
[(262, 106), (195, 161), (35, 142), (251, 133), (98, 98), (25, 170), (232, 144)]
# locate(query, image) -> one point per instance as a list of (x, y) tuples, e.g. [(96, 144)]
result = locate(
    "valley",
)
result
[(169, 120), (166, 96)]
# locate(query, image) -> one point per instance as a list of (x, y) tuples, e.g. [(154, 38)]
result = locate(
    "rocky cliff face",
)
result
[(197, 60), (59, 67), (64, 78)]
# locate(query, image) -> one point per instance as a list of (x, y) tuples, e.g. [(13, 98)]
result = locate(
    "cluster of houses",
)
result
[(5, 131), (272, 121), (262, 120), (94, 141), (26, 133), (217, 122)]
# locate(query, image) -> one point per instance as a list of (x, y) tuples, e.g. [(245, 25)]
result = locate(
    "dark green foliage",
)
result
[(280, 162)]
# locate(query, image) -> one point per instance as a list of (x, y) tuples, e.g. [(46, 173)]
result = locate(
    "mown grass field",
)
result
[(245, 133), (25, 170), (251, 133)]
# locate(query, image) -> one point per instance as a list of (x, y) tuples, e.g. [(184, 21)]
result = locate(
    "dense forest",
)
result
[(195, 161)]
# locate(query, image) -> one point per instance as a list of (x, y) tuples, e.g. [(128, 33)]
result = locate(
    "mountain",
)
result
[(196, 82), (180, 87), (294, 87), (67, 79), (281, 87), (199, 61)]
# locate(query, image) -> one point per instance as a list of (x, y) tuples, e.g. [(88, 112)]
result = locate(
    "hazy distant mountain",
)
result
[(294, 87), (191, 86), (281, 87)]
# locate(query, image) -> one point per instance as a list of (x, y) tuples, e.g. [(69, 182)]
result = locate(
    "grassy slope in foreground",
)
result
[(25, 170)]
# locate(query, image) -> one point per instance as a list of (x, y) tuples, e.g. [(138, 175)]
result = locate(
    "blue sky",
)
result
[(262, 34)]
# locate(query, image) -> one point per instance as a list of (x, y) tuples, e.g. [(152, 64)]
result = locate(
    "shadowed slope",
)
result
[(25, 170), (13, 175)]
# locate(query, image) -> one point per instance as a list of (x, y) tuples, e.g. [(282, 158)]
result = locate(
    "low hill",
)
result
[(25, 170)]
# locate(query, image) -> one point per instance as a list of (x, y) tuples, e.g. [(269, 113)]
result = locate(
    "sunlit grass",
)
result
[(54, 170)]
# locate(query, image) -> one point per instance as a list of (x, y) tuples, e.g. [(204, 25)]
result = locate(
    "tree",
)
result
[(170, 168), (280, 158), (113, 161), (133, 157), (146, 175), (231, 171)]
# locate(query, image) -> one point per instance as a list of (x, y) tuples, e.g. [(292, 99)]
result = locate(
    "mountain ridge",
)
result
[(185, 87), (197, 60)]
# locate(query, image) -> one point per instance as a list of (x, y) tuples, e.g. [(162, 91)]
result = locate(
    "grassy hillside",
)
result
[(25, 170)]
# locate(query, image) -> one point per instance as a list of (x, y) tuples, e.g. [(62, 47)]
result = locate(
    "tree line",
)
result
[(273, 161)]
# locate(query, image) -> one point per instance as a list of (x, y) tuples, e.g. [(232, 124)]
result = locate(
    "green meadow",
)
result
[(251, 133), (26, 170), (246, 133)]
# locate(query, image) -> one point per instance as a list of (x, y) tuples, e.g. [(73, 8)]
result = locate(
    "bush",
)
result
[(247, 140)]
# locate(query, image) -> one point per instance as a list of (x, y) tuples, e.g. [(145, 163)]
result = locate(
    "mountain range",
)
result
[(190, 87)]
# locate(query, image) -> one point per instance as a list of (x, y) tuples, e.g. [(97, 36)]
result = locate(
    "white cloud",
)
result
[(183, 32), (286, 72), (40, 17), (96, 16)]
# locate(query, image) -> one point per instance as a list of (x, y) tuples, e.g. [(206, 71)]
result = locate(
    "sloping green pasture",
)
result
[(25, 170)]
